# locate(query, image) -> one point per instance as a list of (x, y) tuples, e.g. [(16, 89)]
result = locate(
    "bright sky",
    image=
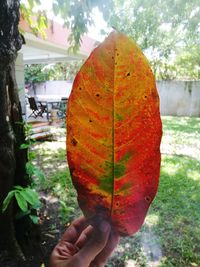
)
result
[(94, 31)]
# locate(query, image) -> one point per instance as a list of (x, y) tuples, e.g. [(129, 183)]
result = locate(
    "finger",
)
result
[(95, 244), (103, 256), (73, 232), (61, 254), (85, 235), (65, 250)]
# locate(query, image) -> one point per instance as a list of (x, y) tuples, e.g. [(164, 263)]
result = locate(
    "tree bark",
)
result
[(12, 158)]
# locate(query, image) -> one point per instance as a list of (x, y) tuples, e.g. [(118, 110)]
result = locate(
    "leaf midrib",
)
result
[(113, 135)]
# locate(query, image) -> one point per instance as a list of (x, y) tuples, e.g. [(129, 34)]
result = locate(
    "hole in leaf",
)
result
[(147, 199), (74, 142)]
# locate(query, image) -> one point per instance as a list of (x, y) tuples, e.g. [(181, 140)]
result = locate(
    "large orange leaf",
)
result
[(113, 134)]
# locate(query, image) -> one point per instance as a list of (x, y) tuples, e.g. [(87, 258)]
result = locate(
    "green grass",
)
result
[(178, 211), (60, 186), (51, 157), (170, 235), (177, 205)]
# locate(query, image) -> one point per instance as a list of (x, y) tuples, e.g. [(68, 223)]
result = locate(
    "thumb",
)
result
[(96, 244)]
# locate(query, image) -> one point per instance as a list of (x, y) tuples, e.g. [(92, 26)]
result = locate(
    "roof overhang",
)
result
[(54, 48)]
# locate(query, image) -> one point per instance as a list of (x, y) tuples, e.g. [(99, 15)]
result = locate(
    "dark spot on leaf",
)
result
[(100, 197), (90, 120), (117, 54), (112, 57), (74, 142), (147, 199), (80, 88), (145, 96), (128, 74), (97, 95), (117, 204)]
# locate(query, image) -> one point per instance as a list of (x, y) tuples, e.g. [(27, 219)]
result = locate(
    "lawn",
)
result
[(170, 235)]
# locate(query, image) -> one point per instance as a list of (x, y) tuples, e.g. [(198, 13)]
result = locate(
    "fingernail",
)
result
[(104, 226)]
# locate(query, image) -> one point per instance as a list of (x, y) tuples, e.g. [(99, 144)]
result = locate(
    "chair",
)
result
[(37, 108), (62, 108)]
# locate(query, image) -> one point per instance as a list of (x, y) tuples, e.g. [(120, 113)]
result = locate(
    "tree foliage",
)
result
[(77, 16), (40, 23), (65, 70), (188, 63), (37, 73), (162, 28)]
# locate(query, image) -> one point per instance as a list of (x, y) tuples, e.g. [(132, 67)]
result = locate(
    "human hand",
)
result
[(83, 245)]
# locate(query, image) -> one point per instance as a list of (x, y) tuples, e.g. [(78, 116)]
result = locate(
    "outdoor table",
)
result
[(53, 104)]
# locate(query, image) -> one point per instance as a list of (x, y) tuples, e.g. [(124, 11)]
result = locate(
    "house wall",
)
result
[(177, 98), (52, 89)]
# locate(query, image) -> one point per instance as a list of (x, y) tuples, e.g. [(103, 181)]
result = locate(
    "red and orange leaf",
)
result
[(113, 134)]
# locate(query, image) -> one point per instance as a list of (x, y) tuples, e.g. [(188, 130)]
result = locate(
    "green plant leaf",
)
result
[(34, 170), (30, 196), (39, 173), (22, 203), (18, 187), (24, 146), (34, 198), (7, 200), (30, 168), (34, 218), (31, 155)]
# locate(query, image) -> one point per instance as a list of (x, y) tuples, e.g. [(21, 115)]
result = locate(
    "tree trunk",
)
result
[(12, 158)]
